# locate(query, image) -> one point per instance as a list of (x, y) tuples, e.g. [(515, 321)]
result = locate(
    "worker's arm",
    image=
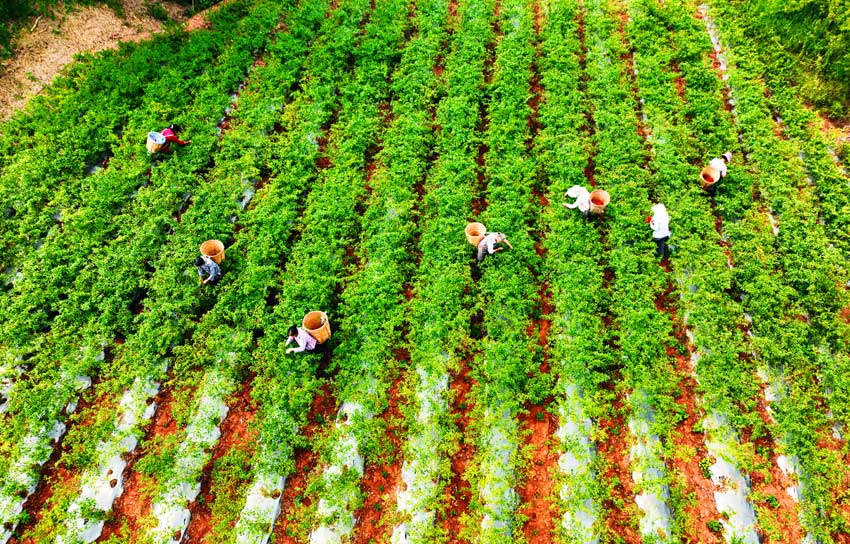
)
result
[(509, 244), (173, 138), (302, 344), (215, 271)]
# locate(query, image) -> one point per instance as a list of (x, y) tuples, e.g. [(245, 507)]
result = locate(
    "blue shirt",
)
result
[(211, 269)]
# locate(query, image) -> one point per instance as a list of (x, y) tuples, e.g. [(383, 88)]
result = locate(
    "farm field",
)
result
[(571, 389)]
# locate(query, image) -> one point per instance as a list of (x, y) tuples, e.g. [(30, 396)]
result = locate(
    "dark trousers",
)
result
[(320, 348), (712, 189), (661, 246)]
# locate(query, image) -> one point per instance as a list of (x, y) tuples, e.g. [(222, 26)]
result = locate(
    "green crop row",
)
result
[(440, 311), (507, 291), (50, 178), (728, 394), (106, 278), (174, 296), (805, 44), (269, 230), (644, 332), (578, 338), (314, 269), (77, 268), (372, 303), (792, 295)]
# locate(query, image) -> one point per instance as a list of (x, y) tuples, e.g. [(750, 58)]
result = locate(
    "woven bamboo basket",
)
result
[(475, 233), (213, 249), (709, 176), (155, 142), (598, 200), (317, 324)]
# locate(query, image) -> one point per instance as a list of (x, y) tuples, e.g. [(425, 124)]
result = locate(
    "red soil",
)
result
[(479, 203), (773, 483), (590, 172), (53, 477), (679, 81), (534, 120), (381, 480), (607, 277), (704, 509), (458, 491), (536, 496), (235, 433), (323, 162), (322, 411), (53, 474), (332, 7), (614, 450), (133, 506), (662, 300)]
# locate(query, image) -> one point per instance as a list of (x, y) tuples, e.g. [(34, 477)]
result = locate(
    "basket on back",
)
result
[(475, 233), (214, 249), (155, 142), (709, 176), (598, 200), (317, 324)]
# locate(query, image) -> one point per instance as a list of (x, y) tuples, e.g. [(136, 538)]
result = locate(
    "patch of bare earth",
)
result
[(236, 432), (47, 44), (133, 506), (380, 480), (537, 423), (295, 499), (459, 490), (690, 448), (620, 507)]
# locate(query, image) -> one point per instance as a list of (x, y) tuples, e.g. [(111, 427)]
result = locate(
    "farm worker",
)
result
[(582, 197), (660, 225), (301, 337), (720, 164), (487, 245), (206, 265), (170, 135)]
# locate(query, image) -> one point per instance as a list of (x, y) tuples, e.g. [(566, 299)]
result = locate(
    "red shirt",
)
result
[(171, 137)]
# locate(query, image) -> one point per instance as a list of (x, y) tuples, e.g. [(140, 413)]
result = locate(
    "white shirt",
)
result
[(660, 222), (304, 340), (582, 197), (718, 164), (491, 240)]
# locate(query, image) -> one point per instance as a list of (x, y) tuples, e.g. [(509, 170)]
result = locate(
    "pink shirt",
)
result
[(304, 341), (169, 136)]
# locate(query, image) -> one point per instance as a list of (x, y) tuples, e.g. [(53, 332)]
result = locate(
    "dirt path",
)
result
[(295, 501), (380, 479), (236, 432), (537, 494), (134, 504), (458, 492)]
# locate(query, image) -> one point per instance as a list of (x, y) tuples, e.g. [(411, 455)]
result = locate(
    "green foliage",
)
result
[(805, 41)]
